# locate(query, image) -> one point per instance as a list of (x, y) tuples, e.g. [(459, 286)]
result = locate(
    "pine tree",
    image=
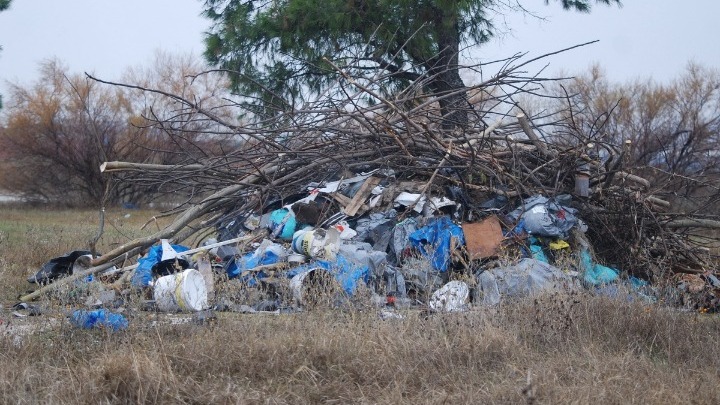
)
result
[(276, 49)]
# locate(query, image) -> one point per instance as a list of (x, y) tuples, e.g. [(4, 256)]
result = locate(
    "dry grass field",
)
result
[(552, 349)]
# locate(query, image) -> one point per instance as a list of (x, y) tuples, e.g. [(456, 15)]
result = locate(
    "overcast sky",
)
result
[(644, 38)]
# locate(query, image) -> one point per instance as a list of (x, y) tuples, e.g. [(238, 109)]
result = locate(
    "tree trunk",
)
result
[(445, 72)]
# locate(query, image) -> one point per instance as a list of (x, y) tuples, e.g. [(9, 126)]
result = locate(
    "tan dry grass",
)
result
[(607, 352), (556, 348)]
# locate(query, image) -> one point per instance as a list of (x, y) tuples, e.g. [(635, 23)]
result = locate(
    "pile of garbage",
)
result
[(367, 238), (341, 200)]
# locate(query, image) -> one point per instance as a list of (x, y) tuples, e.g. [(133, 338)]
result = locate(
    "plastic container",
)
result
[(184, 291), (314, 286), (99, 318), (317, 243), (282, 223)]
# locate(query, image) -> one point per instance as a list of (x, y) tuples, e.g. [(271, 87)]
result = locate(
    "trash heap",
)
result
[(376, 236), (384, 202)]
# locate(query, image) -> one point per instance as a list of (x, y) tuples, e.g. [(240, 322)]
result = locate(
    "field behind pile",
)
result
[(555, 348)]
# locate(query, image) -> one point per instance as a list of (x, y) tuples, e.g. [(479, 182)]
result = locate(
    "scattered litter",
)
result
[(452, 297), (99, 318)]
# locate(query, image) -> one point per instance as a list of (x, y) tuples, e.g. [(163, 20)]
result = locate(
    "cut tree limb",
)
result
[(148, 167), (527, 129), (693, 223)]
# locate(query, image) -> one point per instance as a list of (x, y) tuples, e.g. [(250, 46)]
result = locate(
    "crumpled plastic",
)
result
[(347, 273), (100, 318), (267, 253), (452, 297), (542, 216), (594, 273), (527, 277), (435, 241), (57, 267)]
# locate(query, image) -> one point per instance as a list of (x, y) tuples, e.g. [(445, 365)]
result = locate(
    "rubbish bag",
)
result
[(594, 273), (362, 255), (282, 223), (542, 216), (57, 267), (452, 297), (99, 318), (435, 241), (401, 238), (153, 264), (527, 277), (267, 253)]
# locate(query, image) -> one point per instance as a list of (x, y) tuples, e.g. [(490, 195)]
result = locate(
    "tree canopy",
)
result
[(277, 50)]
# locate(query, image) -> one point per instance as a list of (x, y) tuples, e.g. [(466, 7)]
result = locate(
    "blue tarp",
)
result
[(434, 241)]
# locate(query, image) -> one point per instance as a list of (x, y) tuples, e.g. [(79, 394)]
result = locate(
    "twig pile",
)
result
[(357, 127)]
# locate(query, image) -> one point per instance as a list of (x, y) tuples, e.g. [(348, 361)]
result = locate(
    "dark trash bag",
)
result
[(57, 267)]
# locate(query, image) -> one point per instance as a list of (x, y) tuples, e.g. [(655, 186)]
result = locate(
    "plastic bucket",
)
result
[(314, 287), (184, 291)]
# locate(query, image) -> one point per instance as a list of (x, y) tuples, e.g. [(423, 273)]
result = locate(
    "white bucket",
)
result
[(181, 292), (313, 286)]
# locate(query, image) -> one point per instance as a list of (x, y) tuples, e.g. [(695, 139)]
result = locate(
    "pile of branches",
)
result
[(356, 126)]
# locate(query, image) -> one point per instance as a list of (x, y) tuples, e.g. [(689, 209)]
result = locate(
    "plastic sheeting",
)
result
[(542, 216), (435, 241), (527, 277)]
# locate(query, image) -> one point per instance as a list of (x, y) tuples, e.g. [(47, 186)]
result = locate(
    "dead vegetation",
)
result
[(554, 349)]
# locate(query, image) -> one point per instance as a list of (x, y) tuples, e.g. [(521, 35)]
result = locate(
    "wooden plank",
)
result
[(362, 194)]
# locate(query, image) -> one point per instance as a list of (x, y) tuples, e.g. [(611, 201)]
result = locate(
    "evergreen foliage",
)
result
[(276, 49)]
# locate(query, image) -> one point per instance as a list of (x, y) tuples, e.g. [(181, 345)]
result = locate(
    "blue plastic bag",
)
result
[(438, 235), (143, 273), (99, 318), (283, 224), (250, 261), (594, 273)]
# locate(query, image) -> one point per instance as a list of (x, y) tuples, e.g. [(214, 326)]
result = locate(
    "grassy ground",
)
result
[(556, 348)]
